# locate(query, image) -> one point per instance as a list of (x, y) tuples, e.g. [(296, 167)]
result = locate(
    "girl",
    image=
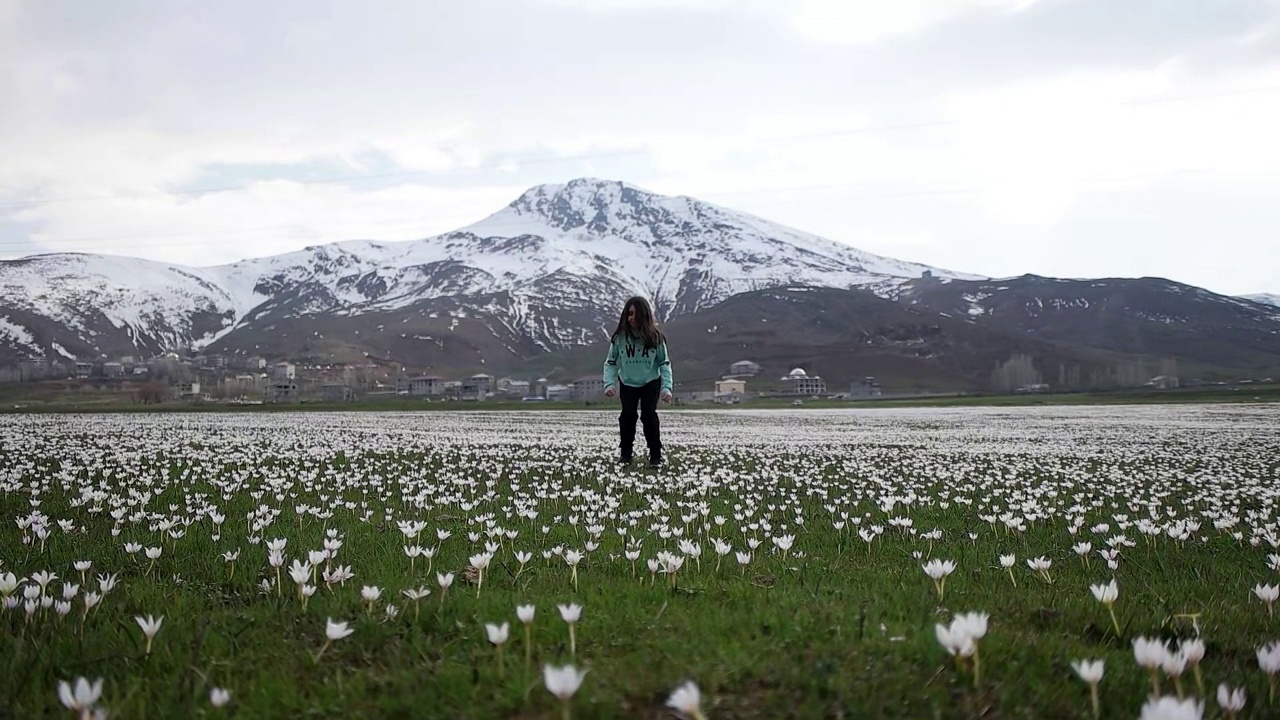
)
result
[(637, 368)]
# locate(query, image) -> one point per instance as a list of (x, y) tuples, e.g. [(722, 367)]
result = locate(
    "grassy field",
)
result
[(14, 401), (827, 613)]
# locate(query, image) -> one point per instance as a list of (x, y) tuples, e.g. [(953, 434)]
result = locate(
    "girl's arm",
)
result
[(664, 366), (611, 365)]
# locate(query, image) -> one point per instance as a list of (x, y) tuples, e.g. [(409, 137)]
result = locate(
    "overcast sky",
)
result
[(1072, 138)]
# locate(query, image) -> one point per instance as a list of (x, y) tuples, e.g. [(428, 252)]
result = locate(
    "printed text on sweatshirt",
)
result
[(635, 365)]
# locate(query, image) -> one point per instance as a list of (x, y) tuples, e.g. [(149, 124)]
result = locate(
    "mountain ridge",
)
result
[(546, 274), (584, 241)]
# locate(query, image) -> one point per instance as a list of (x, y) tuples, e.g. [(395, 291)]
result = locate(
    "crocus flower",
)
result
[(1269, 663), (1006, 562), (1170, 708), (1230, 700), (572, 558), (1091, 671), (416, 596), (82, 696), (150, 626), (1107, 594), (1041, 565), (525, 613), (1150, 655), (1193, 651), (333, 631), (938, 570), (498, 636), (571, 613), (687, 701), (563, 682), (1267, 594), (219, 697)]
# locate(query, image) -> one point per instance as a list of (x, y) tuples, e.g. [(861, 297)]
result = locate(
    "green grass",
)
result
[(109, 403), (839, 628)]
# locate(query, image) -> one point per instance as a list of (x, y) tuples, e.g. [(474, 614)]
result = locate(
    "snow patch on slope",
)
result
[(15, 333), (1264, 298)]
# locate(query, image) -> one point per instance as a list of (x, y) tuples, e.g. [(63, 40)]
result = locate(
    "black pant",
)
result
[(646, 397)]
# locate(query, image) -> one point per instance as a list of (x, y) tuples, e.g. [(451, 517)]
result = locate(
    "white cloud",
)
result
[(263, 219), (866, 21), (639, 5), (10, 11), (868, 138)]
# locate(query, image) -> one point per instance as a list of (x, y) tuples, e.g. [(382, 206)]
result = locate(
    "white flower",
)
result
[(497, 633), (571, 612), (955, 640), (219, 697), (1230, 700), (973, 624), (938, 569), (563, 682), (82, 697), (1267, 593), (1106, 594), (1089, 671), (1149, 653), (525, 613), (336, 630), (1171, 708), (686, 699), (150, 626)]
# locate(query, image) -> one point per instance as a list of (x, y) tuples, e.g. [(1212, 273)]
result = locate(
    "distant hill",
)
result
[(842, 336)]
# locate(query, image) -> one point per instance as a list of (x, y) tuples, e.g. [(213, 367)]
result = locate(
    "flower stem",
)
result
[(573, 643), (528, 650), (1114, 623), (322, 649), (1093, 696)]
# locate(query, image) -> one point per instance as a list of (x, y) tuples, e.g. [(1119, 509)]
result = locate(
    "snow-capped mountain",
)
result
[(548, 271), (1264, 298)]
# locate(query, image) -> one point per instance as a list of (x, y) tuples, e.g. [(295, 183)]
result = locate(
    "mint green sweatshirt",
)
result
[(636, 365)]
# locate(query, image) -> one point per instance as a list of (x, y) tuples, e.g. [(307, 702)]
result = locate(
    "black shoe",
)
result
[(624, 460), (655, 461)]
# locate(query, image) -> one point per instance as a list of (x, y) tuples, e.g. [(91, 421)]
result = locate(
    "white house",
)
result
[(798, 382)]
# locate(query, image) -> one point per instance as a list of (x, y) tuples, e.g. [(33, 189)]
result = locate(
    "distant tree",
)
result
[(152, 393), (1018, 371), (1069, 377)]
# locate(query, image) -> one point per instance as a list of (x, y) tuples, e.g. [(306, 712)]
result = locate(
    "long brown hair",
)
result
[(646, 326)]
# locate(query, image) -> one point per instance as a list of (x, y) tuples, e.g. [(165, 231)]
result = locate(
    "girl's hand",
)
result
[(610, 391), (666, 396)]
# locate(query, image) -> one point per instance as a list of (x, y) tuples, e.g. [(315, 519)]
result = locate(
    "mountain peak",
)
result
[(593, 204), (550, 268)]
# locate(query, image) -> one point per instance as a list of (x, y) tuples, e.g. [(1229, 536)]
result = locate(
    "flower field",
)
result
[(1118, 562)]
